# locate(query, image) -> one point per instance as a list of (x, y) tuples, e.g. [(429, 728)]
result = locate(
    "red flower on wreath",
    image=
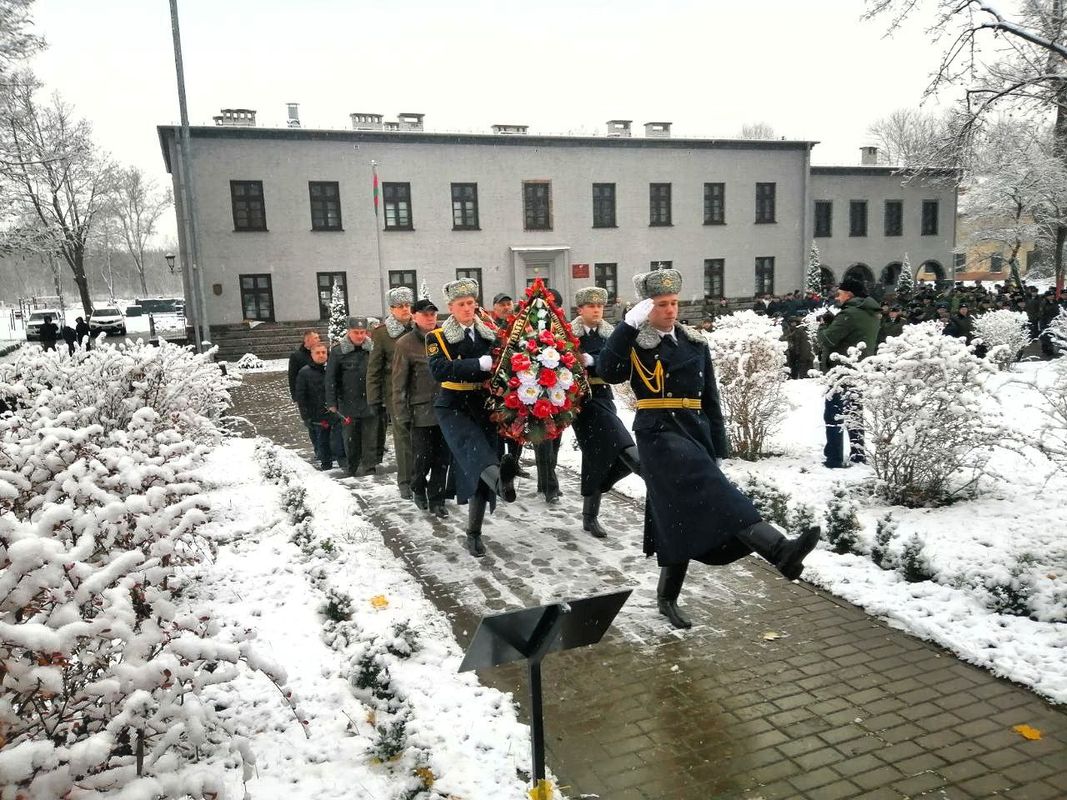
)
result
[(547, 377), (542, 409), (532, 345), (514, 382), (568, 360), (546, 337), (511, 400), (519, 362)]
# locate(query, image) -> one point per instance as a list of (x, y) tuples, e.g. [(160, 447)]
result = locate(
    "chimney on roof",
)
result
[(365, 122), (236, 118), (294, 115), (619, 128), (511, 130), (869, 156), (409, 121), (658, 130)]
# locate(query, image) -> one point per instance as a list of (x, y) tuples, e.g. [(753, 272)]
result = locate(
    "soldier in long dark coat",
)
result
[(380, 382), (346, 395), (459, 357), (608, 450), (691, 510)]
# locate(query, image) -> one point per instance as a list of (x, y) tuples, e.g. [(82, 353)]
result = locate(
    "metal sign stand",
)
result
[(529, 635)]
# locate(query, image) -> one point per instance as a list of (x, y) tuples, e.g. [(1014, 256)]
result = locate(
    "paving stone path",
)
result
[(779, 691)]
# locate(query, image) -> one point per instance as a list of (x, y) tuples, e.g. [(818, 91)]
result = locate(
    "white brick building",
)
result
[(282, 213)]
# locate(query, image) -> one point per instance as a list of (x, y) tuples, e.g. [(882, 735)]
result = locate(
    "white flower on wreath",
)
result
[(549, 357), (557, 395), (528, 393), (527, 376), (565, 378)]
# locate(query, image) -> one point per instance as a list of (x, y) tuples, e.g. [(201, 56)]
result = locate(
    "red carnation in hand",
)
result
[(511, 400), (546, 337), (547, 378), (514, 382), (519, 362), (568, 360), (542, 409), (532, 346)]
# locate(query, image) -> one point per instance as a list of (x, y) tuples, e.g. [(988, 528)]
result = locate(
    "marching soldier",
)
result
[(380, 384), (459, 357), (414, 391), (608, 450), (691, 510)]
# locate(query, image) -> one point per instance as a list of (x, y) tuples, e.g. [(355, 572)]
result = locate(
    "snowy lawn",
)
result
[(458, 737), (1005, 550)]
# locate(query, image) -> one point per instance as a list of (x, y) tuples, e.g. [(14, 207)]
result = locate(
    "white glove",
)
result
[(639, 313), (718, 463), (587, 360), (485, 363)]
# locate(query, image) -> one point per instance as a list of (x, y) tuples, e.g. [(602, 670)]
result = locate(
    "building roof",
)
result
[(168, 132), (882, 170)]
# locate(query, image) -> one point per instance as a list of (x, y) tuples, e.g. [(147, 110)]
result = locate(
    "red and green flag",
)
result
[(374, 170)]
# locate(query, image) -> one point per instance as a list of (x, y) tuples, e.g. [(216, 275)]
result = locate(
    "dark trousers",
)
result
[(380, 424), (837, 405), (546, 455), (505, 445), (402, 446), (360, 444), (430, 462), (328, 443)]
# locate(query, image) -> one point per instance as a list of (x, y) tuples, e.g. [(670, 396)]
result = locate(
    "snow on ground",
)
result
[(465, 734), (970, 545)]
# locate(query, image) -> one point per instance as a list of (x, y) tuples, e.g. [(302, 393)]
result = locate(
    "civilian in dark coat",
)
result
[(300, 358), (346, 394), (459, 358), (81, 328), (49, 333), (608, 450), (69, 337), (691, 510), (414, 391), (324, 426)]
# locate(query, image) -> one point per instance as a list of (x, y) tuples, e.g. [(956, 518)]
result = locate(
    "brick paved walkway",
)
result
[(780, 691)]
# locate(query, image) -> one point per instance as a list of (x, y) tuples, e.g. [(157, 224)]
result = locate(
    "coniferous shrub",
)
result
[(842, 523), (883, 536), (914, 565), (771, 502)]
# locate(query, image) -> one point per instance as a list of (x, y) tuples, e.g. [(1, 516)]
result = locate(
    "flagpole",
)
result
[(382, 279)]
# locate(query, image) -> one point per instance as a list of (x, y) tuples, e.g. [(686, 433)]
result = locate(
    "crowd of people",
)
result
[(50, 333), (426, 382)]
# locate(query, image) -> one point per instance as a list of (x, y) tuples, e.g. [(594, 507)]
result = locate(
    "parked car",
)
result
[(33, 324), (108, 320)]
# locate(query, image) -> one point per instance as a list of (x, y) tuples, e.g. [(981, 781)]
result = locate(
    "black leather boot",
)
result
[(590, 512), (787, 555), (631, 459), (501, 479), (475, 515), (670, 586)]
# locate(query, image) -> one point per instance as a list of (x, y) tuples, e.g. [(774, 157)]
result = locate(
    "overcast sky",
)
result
[(812, 70)]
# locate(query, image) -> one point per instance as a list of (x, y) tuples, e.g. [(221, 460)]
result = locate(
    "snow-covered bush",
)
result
[(885, 530), (750, 363), (103, 661), (905, 282), (771, 502), (928, 414), (1005, 333), (810, 323), (914, 564), (1057, 330), (250, 362), (802, 518), (813, 278), (842, 522)]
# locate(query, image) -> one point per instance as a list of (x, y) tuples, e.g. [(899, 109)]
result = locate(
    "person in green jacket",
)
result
[(856, 324)]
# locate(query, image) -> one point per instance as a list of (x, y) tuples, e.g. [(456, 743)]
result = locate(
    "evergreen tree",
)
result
[(905, 284), (813, 283), (338, 315)]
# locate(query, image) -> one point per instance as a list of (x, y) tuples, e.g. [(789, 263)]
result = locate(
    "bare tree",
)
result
[(16, 41), (757, 130), (1019, 192), (138, 203), (1008, 60), (54, 174), (913, 139)]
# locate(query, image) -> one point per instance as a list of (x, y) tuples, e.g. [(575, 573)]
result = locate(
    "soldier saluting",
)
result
[(691, 510), (608, 450), (459, 358)]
